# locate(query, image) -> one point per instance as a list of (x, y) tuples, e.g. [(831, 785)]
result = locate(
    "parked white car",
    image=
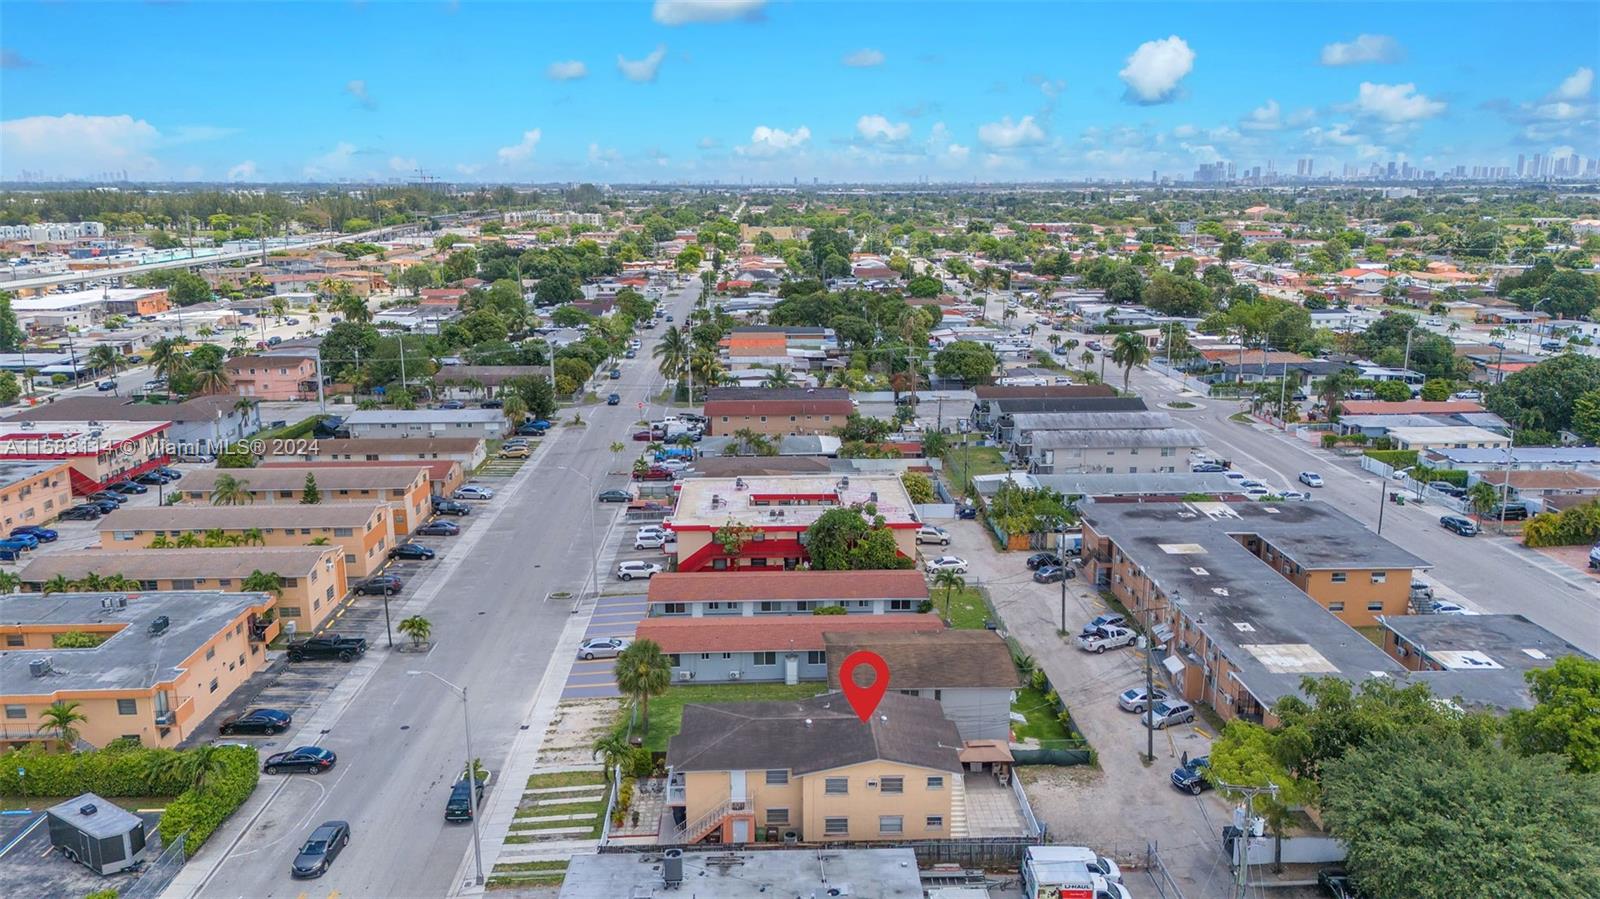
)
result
[(930, 534), (1135, 699), (599, 648), (472, 492), (947, 563), (627, 571), (1310, 479), (1168, 713), (1108, 637), (649, 541)]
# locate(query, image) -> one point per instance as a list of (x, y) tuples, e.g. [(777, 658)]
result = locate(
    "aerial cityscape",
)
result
[(733, 448)]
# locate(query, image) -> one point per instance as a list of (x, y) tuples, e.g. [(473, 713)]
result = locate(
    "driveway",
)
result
[(1123, 804)]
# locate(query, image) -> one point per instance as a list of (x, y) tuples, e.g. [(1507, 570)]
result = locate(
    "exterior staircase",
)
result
[(696, 830), (958, 807)]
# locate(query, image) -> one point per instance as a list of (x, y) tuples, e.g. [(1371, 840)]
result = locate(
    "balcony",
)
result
[(264, 631)]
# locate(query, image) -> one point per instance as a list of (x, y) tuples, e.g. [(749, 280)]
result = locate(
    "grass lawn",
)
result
[(1374, 633), (666, 710), (562, 779), (963, 463), (967, 608), (544, 809), (527, 874), (1042, 724)]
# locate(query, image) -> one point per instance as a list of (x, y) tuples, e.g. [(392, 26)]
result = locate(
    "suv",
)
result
[(930, 534), (1508, 512), (379, 585), (328, 646), (627, 571), (459, 806), (451, 507), (1190, 777)]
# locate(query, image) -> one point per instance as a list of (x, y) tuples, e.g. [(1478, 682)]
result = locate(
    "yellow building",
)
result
[(312, 577), (167, 660), (813, 768), (403, 487), (364, 532), (33, 492)]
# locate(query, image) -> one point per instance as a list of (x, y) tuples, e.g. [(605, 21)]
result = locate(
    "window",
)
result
[(294, 612), (774, 815), (891, 824), (766, 658), (836, 786), (344, 532), (214, 687), (767, 606), (127, 707), (1339, 577), (18, 711), (1332, 607), (934, 783), (895, 605), (183, 583), (211, 653), (836, 826), (704, 657), (16, 640), (816, 657), (1375, 606), (350, 559), (776, 776), (671, 608), (727, 656), (934, 822), (892, 785), (1379, 577)]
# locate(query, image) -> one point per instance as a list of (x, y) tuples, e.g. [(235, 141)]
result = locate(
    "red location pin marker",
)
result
[(864, 699)]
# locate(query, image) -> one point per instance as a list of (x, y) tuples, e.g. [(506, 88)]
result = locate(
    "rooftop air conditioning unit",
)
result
[(39, 667)]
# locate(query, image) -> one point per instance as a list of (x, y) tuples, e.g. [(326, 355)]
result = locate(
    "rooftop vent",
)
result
[(39, 667), (87, 809), (672, 867), (808, 722), (159, 626), (111, 603)]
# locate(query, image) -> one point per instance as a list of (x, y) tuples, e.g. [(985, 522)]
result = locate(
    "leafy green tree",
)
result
[(967, 360), (309, 494), (924, 287), (1586, 416), (1391, 391), (60, 720), (642, 671), (10, 388), (460, 264), (1565, 718), (537, 396), (846, 539), (689, 258), (1443, 818), (1127, 351), (188, 288), (570, 317), (11, 334), (420, 277), (918, 486), (418, 628), (1549, 391), (1436, 390)]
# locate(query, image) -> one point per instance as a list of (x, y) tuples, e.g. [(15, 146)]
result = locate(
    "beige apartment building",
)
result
[(403, 487), (812, 769), (313, 577), (33, 492), (165, 662), (364, 533)]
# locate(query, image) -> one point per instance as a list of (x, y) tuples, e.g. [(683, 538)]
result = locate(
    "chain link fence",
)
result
[(158, 875)]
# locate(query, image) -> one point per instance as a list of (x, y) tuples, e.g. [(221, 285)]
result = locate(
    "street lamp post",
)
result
[(1383, 486), (594, 567), (472, 770)]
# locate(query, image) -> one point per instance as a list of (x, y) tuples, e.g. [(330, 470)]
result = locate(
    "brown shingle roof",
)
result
[(1542, 479), (946, 658), (771, 633), (1408, 407), (744, 736), (741, 586)]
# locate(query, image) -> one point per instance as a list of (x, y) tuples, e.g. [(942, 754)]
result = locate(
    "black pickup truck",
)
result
[(328, 646)]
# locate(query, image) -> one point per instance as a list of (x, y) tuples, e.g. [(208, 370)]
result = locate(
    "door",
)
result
[(741, 830), (736, 788)]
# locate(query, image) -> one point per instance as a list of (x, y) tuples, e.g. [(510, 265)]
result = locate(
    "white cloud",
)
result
[(244, 171), (521, 150), (644, 70), (1396, 102), (333, 162), (1365, 48), (469, 169), (402, 164), (686, 12), (877, 127), (1185, 131), (358, 89), (1337, 135), (603, 156), (766, 141), (72, 145), (1575, 86), (1153, 71), (865, 58), (1006, 133), (957, 153), (708, 143), (566, 71), (1266, 117)]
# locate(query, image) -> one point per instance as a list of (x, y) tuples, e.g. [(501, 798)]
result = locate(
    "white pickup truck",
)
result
[(1106, 637)]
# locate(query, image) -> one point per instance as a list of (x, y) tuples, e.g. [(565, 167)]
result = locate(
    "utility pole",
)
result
[(1241, 845), (1150, 679), (1061, 554)]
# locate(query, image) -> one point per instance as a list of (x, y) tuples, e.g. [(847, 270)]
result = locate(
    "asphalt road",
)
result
[(1491, 574), (399, 737)]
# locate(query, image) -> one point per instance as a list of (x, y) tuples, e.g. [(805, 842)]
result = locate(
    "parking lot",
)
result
[(30, 867)]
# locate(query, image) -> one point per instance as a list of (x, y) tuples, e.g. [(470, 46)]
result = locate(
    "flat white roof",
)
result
[(756, 500), (1451, 434)]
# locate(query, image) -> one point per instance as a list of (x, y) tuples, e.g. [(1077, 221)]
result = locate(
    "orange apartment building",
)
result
[(167, 660), (776, 509), (98, 452), (405, 488), (444, 475), (469, 451), (777, 411), (313, 577), (813, 772), (1249, 597), (1480, 660), (274, 377), (33, 492), (363, 531)]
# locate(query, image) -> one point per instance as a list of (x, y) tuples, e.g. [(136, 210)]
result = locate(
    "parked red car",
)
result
[(642, 436), (653, 474)]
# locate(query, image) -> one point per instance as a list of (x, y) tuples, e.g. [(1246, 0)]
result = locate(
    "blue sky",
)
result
[(726, 90)]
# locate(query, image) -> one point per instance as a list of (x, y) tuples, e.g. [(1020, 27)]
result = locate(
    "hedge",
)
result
[(1577, 526), (136, 771), (1394, 458), (1454, 476)]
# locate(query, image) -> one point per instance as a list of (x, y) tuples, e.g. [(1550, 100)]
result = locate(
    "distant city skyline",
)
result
[(696, 91)]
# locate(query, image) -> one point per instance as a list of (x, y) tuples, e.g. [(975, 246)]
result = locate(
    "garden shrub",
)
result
[(1394, 458), (200, 812)]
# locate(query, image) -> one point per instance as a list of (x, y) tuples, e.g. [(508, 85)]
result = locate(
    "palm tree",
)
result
[(515, 408), (259, 581), (643, 671), (780, 377), (89, 583), (9, 582), (105, 358), (417, 628), (58, 584), (252, 537), (200, 765), (1128, 350), (166, 359), (706, 367), (231, 491), (188, 540), (280, 307), (672, 353), (211, 375), (1483, 498), (1333, 389), (950, 581), (58, 719), (120, 583), (612, 749), (161, 541), (1087, 359)]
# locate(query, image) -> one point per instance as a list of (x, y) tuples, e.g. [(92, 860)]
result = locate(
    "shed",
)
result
[(100, 835)]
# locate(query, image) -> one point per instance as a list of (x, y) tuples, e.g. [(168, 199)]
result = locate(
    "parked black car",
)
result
[(451, 507), (1190, 777), (439, 529), (411, 551), (459, 806), (150, 479), (379, 585), (328, 646), (108, 496), (1466, 527), (305, 759), (82, 513), (171, 474), (615, 496), (320, 849), (492, 404), (1050, 574), (1041, 560), (1508, 512), (257, 721), (105, 506), (129, 487)]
